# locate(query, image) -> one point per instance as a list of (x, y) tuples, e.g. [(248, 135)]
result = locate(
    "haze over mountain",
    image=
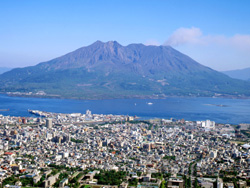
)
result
[(4, 69), (242, 74), (110, 70)]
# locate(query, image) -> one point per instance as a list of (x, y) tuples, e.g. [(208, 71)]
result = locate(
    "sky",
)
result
[(214, 33)]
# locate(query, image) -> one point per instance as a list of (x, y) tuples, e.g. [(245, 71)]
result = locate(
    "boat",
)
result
[(149, 103)]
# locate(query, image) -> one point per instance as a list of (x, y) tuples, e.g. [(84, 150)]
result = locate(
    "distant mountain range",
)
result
[(110, 70), (4, 69), (242, 74)]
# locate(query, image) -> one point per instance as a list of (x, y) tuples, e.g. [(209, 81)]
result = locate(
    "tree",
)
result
[(139, 173), (163, 184), (133, 182), (10, 180), (111, 177), (196, 183), (185, 180), (189, 182)]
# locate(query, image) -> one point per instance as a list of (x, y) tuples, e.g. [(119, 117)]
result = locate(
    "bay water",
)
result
[(220, 110)]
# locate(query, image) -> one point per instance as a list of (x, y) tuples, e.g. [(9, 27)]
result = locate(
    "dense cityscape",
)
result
[(91, 150)]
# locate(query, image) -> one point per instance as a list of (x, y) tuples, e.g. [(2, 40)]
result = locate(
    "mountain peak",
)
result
[(110, 45), (111, 42), (107, 43), (98, 42)]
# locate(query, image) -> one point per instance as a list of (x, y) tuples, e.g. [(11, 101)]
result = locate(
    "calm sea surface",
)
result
[(232, 111)]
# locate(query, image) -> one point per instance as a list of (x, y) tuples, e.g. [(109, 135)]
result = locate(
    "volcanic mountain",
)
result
[(110, 70)]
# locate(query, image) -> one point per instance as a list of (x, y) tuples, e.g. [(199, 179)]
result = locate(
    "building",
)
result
[(208, 124), (49, 123), (63, 182), (24, 121), (175, 182), (51, 180), (213, 154), (88, 113)]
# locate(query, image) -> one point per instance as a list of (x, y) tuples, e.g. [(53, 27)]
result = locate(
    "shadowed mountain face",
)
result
[(110, 70)]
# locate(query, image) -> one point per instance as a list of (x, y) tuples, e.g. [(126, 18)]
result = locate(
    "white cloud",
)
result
[(184, 35), (216, 51), (194, 36)]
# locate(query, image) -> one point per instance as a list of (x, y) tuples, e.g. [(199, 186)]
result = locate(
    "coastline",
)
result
[(51, 96)]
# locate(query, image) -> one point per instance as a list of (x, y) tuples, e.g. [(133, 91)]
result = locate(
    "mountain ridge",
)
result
[(110, 70), (242, 74), (4, 69)]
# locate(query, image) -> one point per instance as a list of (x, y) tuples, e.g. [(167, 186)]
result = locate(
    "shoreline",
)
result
[(125, 97)]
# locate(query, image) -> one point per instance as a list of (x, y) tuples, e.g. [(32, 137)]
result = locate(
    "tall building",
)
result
[(49, 123), (66, 138), (24, 121), (147, 146), (208, 124), (88, 113)]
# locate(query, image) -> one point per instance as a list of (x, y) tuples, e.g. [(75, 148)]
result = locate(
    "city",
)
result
[(85, 150)]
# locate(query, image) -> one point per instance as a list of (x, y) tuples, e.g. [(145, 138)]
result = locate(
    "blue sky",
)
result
[(214, 33)]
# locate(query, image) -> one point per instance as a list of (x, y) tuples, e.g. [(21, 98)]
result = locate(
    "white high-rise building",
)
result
[(208, 124), (88, 113)]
